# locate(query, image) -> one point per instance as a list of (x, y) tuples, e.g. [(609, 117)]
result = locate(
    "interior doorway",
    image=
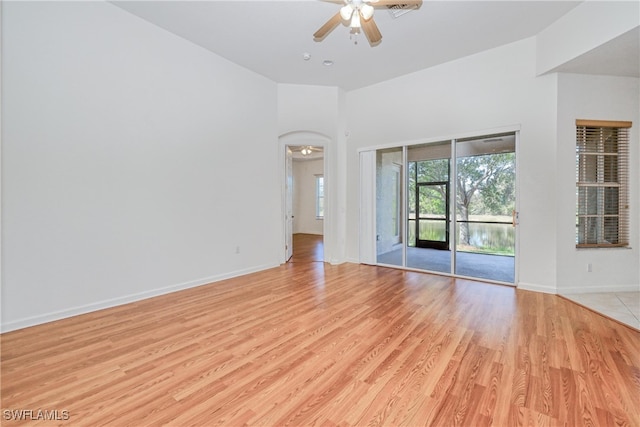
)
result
[(305, 203), (308, 248)]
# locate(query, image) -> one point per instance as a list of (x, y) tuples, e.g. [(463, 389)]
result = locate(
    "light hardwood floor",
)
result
[(307, 248), (309, 343)]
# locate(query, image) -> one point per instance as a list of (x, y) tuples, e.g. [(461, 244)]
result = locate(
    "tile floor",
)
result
[(621, 306)]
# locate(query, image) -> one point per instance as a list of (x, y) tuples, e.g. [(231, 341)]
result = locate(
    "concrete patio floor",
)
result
[(500, 268)]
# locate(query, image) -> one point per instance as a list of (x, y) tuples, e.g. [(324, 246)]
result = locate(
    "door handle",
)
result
[(514, 218)]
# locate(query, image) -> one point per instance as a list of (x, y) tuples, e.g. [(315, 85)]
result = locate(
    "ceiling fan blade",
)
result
[(378, 3), (327, 27), (371, 31)]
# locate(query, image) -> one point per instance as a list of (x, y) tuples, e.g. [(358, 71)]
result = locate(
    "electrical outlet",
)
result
[(589, 268), (237, 249)]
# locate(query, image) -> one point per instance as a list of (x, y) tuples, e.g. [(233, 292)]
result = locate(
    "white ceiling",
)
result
[(271, 37)]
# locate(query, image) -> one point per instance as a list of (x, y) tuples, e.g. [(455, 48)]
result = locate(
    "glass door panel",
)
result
[(389, 189), (428, 207), (485, 202)]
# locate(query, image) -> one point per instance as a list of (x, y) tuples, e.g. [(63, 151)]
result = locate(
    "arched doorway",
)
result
[(304, 158)]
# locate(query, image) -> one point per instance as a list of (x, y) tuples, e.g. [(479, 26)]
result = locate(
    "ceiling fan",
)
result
[(306, 150), (358, 14)]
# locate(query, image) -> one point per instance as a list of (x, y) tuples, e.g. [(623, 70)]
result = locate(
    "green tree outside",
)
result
[(485, 185)]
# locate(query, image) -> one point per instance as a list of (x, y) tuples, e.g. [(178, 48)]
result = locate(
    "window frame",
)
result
[(319, 196), (602, 184)]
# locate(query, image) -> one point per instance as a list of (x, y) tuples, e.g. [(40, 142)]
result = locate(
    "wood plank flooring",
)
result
[(307, 248), (315, 344)]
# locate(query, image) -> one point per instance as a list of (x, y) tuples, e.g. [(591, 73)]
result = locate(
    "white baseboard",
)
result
[(597, 289), (338, 261), (537, 288), (568, 290), (113, 302)]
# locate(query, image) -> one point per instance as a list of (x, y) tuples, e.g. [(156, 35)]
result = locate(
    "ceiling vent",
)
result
[(397, 10)]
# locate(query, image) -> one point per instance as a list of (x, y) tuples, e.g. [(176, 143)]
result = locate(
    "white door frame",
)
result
[(288, 205)]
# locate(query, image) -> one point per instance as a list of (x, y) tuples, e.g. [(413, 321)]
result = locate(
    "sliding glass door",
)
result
[(457, 211)]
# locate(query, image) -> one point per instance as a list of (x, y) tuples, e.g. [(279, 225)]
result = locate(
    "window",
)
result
[(602, 210), (319, 197)]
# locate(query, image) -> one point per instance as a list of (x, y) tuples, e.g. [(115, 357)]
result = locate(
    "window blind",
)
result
[(602, 211)]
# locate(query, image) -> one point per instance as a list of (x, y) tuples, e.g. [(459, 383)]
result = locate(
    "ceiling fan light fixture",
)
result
[(355, 21), (346, 12), (366, 10)]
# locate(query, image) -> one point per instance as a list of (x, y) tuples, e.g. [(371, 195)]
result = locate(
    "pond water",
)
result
[(489, 238), (499, 239)]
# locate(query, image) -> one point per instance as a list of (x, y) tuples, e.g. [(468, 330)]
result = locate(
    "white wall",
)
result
[(307, 108), (304, 196), (586, 27), (598, 98), (494, 89), (124, 166)]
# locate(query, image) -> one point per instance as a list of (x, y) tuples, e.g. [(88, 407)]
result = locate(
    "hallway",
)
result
[(307, 248)]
